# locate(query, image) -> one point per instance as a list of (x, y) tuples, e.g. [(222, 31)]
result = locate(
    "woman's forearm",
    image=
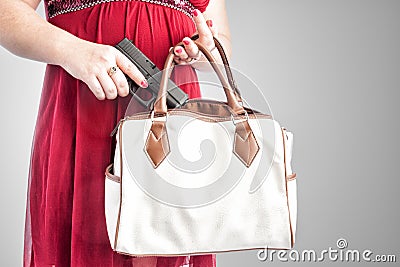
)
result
[(24, 33), (217, 21)]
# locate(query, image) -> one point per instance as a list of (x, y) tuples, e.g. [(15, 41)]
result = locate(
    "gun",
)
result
[(175, 96)]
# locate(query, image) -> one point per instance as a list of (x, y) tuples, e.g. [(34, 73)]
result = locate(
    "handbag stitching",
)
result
[(147, 154), (110, 176), (198, 252), (255, 154), (291, 177), (120, 190), (201, 116), (286, 185)]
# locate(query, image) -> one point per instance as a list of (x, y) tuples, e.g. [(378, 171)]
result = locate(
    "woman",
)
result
[(84, 94)]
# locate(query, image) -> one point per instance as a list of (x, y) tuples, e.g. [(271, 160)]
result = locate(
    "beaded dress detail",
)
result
[(57, 7)]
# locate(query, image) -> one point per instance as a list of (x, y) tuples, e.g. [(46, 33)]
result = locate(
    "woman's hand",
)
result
[(25, 33), (102, 68), (190, 52)]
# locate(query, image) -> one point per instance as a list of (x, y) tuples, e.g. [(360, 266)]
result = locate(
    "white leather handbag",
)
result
[(208, 177)]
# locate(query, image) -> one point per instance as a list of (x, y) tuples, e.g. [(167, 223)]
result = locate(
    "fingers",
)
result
[(109, 87), (181, 56), (127, 67), (213, 28), (95, 87), (191, 48), (201, 25), (121, 83), (206, 30), (109, 80), (188, 53), (102, 68), (114, 83)]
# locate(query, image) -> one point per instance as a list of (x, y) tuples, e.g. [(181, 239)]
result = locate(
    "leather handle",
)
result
[(157, 147), (227, 67), (160, 106)]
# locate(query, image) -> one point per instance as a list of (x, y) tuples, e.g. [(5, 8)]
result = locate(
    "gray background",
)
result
[(331, 72)]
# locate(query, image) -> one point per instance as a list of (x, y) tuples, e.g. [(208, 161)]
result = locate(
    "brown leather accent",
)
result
[(286, 184), (227, 67), (111, 176), (211, 107), (208, 108), (198, 252), (120, 187), (204, 109), (231, 97), (160, 105), (245, 145), (157, 144), (201, 116), (291, 177)]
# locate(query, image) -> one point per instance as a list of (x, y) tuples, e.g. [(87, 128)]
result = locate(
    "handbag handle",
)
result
[(227, 67), (233, 99), (245, 145)]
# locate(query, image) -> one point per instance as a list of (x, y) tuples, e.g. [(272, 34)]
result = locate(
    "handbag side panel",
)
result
[(113, 195), (291, 180)]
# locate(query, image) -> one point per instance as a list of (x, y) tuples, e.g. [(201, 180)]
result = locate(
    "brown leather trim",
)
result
[(291, 177), (200, 116), (245, 145), (111, 176), (206, 110), (286, 184), (197, 252), (157, 143), (231, 96), (212, 108), (120, 191), (207, 107), (160, 105), (227, 67)]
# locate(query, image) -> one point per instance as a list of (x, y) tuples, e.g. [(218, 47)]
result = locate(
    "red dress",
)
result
[(65, 222)]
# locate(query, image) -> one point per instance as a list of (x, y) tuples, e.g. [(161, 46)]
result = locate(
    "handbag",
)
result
[(208, 177)]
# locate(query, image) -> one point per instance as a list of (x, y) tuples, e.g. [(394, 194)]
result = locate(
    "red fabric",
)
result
[(201, 5), (65, 222)]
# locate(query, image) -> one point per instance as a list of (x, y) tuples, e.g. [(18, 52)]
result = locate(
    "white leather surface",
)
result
[(236, 221), (111, 202)]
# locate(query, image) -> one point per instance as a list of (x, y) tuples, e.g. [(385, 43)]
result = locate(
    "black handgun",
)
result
[(175, 96)]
